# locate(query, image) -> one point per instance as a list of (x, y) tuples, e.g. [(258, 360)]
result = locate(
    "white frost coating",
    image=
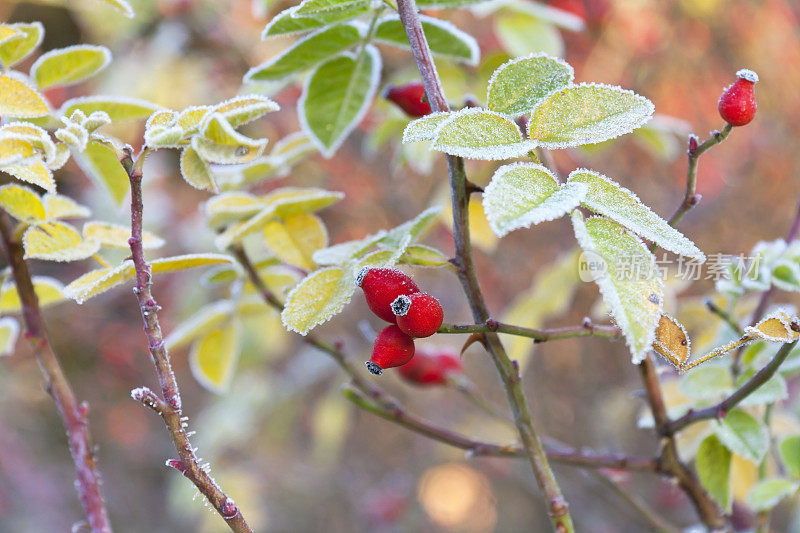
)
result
[(39, 29), (425, 128), (747, 74), (502, 68), (477, 133), (257, 106), (122, 100), (590, 129), (610, 199), (10, 324), (510, 204), (465, 38), (280, 17), (784, 315), (623, 307), (106, 53), (374, 79), (320, 306)]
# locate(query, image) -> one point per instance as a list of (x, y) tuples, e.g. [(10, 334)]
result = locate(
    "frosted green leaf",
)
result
[(307, 52), (123, 6), (790, 455), (411, 230), (768, 493), (341, 253), (522, 194), (629, 281), (713, 463), (331, 10), (195, 171), (100, 163), (444, 39), (421, 255), (336, 97), (773, 390), (320, 296), (21, 203), (521, 34), (214, 357), (119, 108), (587, 114), (518, 85), (73, 64), (481, 134), (743, 434), (12, 52), (425, 128), (20, 100), (285, 24), (220, 143), (57, 241), (243, 109), (707, 382), (621, 205), (48, 291), (9, 331)]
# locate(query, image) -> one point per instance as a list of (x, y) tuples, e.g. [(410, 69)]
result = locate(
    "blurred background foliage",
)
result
[(290, 449)]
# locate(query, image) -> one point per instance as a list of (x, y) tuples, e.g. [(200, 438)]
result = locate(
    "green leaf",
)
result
[(16, 50), (73, 64), (316, 299), (21, 203), (57, 241), (421, 255), (119, 108), (425, 128), (220, 143), (709, 382), (195, 171), (444, 39), (768, 493), (522, 194), (633, 294), (331, 10), (19, 100), (284, 23), (307, 52), (100, 163), (243, 109), (9, 331), (336, 97), (773, 390), (480, 134), (214, 357), (521, 34), (518, 85), (587, 114), (790, 455), (287, 201), (743, 434), (228, 207), (713, 463), (411, 230), (611, 200)]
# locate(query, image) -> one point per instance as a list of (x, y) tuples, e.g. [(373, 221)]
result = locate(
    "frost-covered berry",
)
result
[(382, 286), (737, 105), (418, 314), (392, 348), (431, 366), (410, 98)]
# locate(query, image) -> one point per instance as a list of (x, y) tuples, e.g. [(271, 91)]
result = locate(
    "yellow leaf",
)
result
[(57, 241), (290, 200), (242, 109), (744, 474), (120, 5), (36, 173), (100, 163), (118, 108), (671, 341), (16, 50), (220, 143), (228, 207), (778, 327), (14, 148), (49, 291), (242, 229), (189, 119), (59, 206), (195, 171), (296, 238), (38, 138), (213, 358), (206, 319), (66, 66), (21, 203), (116, 236), (9, 33), (165, 265), (19, 100), (9, 330), (320, 296), (481, 233)]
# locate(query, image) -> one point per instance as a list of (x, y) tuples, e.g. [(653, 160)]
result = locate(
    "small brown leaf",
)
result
[(775, 328), (671, 341)]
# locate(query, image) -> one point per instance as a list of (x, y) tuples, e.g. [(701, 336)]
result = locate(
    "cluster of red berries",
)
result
[(393, 296), (737, 105)]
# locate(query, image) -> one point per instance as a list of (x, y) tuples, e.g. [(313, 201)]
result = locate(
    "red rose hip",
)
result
[(418, 314), (737, 105), (410, 98), (382, 286), (392, 348), (431, 367)]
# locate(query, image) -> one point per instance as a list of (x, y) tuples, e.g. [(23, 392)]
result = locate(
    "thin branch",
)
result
[(170, 408), (587, 329), (509, 372), (72, 414), (725, 316), (722, 408), (654, 519)]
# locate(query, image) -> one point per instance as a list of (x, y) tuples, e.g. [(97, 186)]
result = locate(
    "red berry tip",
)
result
[(360, 276), (401, 305), (748, 75), (374, 368), (382, 286)]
